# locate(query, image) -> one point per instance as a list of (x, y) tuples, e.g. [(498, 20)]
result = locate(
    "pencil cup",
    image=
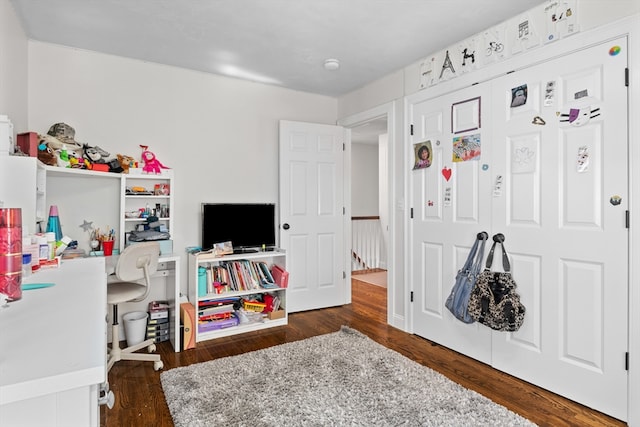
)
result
[(107, 247)]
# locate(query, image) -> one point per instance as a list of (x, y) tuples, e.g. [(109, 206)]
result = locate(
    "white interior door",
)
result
[(312, 220), (449, 210), (553, 178), (563, 211)]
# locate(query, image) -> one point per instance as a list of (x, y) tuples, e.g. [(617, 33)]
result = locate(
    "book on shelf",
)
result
[(280, 275), (214, 325), (215, 312)]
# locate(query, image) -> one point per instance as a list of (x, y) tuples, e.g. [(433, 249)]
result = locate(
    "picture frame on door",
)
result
[(465, 115)]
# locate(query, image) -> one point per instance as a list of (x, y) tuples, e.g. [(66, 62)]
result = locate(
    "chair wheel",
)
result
[(151, 348), (158, 365)]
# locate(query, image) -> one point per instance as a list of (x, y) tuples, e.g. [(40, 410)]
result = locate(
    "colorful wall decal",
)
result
[(518, 96), (614, 50), (466, 148), (446, 173), (423, 154), (579, 116)]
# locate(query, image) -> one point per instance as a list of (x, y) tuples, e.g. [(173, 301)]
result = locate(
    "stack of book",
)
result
[(158, 323), (239, 275), (217, 314)]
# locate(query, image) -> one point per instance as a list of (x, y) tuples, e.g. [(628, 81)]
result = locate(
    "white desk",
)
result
[(53, 348)]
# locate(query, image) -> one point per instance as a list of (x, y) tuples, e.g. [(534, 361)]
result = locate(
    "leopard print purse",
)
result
[(494, 301)]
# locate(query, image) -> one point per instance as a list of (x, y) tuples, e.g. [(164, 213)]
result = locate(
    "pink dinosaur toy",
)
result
[(151, 164)]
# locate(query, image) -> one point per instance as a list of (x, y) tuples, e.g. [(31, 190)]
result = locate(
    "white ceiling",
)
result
[(280, 42)]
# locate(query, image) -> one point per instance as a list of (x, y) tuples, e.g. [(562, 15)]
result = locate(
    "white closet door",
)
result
[(451, 203), (564, 228)]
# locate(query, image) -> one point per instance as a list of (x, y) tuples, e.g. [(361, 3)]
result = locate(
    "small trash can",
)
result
[(135, 327)]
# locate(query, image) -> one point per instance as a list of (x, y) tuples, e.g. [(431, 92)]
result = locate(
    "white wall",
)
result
[(590, 14), (13, 67), (220, 135), (364, 179)]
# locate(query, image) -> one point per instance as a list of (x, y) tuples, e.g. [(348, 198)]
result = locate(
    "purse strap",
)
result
[(498, 238), (474, 260)]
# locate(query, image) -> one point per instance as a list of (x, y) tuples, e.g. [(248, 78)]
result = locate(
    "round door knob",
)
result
[(285, 226)]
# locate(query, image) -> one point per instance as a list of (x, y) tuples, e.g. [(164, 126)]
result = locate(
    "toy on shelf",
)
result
[(126, 162), (151, 164)]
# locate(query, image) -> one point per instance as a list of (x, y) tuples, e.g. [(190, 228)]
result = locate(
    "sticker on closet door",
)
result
[(497, 186), (582, 160), (466, 148), (446, 202)]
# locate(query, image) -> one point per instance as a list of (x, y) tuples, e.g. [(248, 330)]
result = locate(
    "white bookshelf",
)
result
[(272, 257)]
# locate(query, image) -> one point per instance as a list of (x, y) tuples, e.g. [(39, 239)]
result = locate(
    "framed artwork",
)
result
[(465, 115)]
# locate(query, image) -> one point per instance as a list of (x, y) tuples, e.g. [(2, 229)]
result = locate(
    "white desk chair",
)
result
[(136, 263)]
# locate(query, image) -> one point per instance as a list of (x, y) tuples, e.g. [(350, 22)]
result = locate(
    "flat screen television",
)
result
[(249, 226)]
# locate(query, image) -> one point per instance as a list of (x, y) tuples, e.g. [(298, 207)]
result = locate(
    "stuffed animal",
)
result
[(95, 154), (46, 155), (126, 162), (151, 164)]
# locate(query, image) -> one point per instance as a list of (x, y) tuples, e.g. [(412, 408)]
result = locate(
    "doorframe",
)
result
[(627, 27), (396, 310)]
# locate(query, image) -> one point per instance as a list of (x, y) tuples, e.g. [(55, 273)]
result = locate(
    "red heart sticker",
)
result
[(446, 172)]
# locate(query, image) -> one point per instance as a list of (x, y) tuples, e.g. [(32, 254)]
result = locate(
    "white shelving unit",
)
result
[(21, 175), (275, 257), (156, 199)]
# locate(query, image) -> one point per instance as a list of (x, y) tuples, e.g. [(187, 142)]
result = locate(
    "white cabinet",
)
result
[(206, 331), (144, 195), (53, 345), (24, 174)]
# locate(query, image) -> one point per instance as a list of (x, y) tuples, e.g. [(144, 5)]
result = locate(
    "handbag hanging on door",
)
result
[(494, 301), (458, 299)]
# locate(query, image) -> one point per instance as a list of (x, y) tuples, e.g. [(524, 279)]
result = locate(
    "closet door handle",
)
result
[(285, 226)]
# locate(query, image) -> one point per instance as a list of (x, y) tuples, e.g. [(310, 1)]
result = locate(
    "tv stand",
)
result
[(245, 251), (200, 299)]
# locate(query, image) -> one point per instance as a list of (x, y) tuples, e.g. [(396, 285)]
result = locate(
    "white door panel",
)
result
[(311, 204), (571, 264), (559, 193), (447, 216)]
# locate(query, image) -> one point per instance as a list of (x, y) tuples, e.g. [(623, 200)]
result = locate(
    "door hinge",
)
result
[(627, 219), (411, 296), (626, 77), (411, 210), (343, 147), (626, 361), (344, 275), (411, 130), (344, 211)]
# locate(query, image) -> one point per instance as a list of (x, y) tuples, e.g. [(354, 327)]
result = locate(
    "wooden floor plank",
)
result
[(140, 399)]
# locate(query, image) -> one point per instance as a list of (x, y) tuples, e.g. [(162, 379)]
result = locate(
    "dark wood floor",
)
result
[(140, 400)]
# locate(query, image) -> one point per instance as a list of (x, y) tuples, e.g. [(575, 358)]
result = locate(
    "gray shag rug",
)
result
[(339, 379)]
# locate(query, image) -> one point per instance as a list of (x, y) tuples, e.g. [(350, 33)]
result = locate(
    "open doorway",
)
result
[(369, 202)]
